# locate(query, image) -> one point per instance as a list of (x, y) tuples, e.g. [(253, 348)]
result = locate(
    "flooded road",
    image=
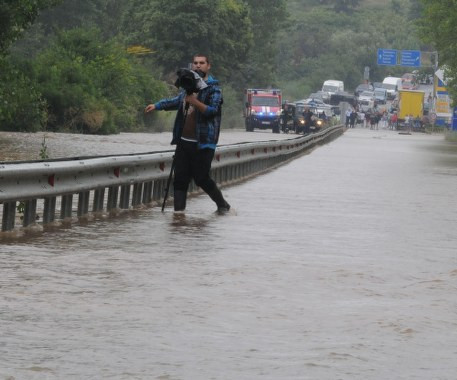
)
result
[(339, 265)]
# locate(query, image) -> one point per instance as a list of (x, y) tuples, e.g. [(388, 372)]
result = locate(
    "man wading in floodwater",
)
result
[(195, 134)]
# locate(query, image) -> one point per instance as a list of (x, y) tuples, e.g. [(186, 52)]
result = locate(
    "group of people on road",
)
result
[(375, 119), (413, 122), (351, 118), (372, 118)]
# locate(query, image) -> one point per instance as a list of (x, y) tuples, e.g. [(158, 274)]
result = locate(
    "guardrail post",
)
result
[(83, 203), (66, 206), (147, 192), (29, 212), (113, 193), (125, 196), (136, 195), (49, 211), (99, 196), (9, 215), (159, 187)]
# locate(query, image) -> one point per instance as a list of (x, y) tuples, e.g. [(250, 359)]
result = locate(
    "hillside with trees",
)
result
[(91, 66)]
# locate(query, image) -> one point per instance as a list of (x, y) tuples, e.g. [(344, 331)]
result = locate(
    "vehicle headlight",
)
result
[(319, 122), (302, 121), (253, 112)]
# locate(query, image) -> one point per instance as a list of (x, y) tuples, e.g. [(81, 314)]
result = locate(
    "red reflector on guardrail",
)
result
[(51, 180), (117, 172), (162, 166)]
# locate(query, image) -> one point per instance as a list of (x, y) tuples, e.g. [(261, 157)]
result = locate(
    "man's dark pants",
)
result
[(195, 163)]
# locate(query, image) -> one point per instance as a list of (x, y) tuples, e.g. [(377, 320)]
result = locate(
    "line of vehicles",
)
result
[(405, 99), (265, 108)]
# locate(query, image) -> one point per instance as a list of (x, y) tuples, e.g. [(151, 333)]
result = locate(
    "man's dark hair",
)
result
[(201, 55)]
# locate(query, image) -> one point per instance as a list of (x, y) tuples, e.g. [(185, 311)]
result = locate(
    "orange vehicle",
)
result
[(262, 109)]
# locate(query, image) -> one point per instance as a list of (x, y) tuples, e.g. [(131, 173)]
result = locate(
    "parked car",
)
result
[(380, 95), (318, 121), (292, 119), (367, 95), (319, 104), (320, 95), (366, 105), (409, 82), (337, 98), (310, 100), (363, 87)]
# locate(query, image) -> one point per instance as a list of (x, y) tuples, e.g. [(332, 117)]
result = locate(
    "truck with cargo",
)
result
[(410, 105), (262, 109)]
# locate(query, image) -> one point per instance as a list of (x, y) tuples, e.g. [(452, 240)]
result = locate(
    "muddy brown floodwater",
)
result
[(338, 265)]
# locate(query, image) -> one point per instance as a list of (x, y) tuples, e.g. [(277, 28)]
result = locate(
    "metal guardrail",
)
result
[(47, 188)]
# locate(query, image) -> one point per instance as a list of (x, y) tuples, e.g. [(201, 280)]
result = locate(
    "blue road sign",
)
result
[(410, 58), (387, 57), (454, 119)]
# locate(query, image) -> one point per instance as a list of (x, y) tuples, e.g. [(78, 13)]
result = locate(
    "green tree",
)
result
[(260, 66), (16, 16), (92, 86), (21, 105), (176, 30), (438, 26), (344, 6)]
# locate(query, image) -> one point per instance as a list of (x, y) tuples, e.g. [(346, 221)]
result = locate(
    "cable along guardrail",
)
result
[(51, 190)]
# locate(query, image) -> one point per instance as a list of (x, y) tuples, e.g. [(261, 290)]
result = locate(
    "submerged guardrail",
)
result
[(45, 190)]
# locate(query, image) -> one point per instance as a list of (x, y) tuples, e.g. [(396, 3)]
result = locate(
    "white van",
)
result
[(332, 86), (392, 85)]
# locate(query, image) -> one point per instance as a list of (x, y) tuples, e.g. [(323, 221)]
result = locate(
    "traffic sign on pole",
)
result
[(410, 58), (387, 57)]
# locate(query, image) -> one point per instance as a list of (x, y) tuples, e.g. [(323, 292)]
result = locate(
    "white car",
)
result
[(367, 95)]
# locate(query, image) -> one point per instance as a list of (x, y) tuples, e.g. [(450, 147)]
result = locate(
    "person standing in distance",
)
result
[(195, 136)]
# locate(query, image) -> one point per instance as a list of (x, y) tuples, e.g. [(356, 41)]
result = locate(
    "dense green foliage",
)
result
[(438, 26), (91, 86), (71, 70), (17, 15), (326, 42), (21, 105)]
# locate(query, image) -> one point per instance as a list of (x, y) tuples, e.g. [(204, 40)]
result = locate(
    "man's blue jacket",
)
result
[(208, 123)]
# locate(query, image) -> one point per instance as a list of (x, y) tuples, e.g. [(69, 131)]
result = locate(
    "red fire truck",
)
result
[(262, 109)]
